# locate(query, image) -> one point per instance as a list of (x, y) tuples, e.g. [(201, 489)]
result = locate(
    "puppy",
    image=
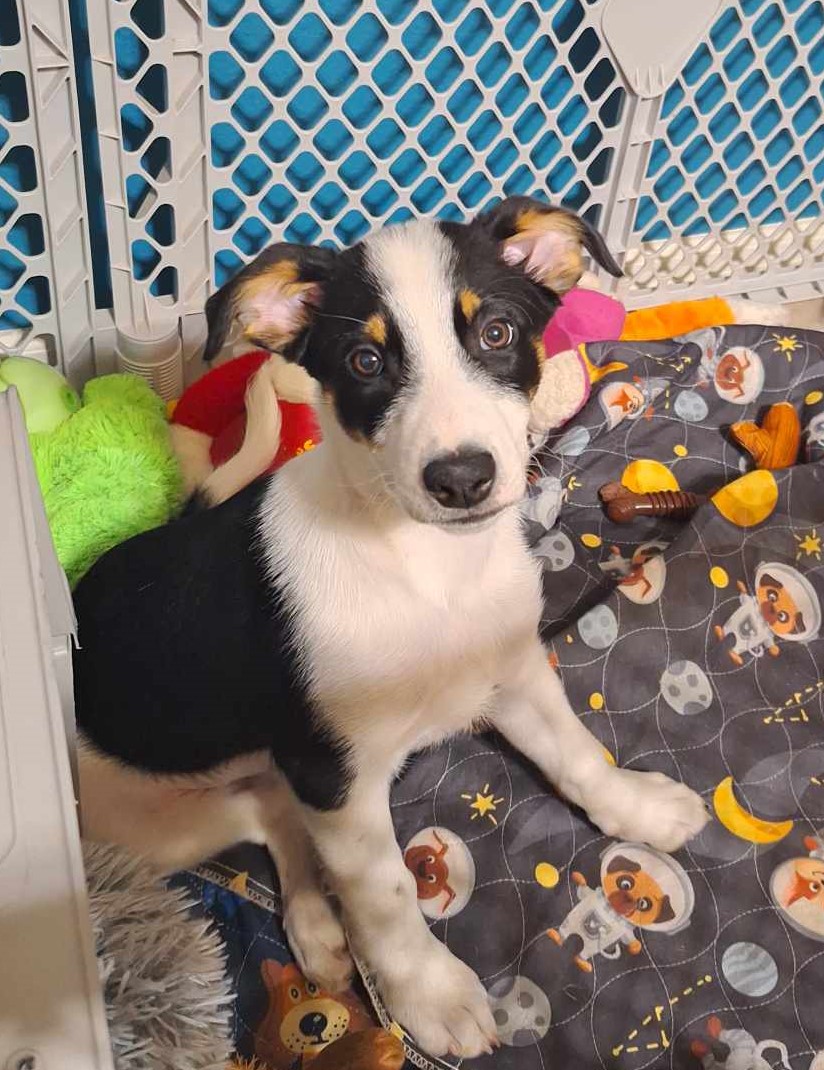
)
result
[(261, 670)]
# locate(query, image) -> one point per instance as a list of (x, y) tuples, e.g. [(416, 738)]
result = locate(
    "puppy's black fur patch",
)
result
[(351, 298), (184, 659), (504, 292)]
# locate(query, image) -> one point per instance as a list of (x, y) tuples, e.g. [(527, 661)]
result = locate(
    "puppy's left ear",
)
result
[(547, 242)]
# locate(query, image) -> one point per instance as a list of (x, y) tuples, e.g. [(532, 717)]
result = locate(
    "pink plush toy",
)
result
[(584, 316)]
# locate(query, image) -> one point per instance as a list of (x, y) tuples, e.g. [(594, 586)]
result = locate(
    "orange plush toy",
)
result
[(243, 418), (310, 1028)]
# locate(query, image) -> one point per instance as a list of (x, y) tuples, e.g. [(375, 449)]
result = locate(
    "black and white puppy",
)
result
[(261, 670)]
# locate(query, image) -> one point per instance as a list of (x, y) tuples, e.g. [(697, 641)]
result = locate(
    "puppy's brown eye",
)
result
[(626, 884), (497, 334), (644, 904), (366, 363)]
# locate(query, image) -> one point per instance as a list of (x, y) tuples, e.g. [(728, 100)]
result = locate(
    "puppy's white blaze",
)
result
[(448, 403), (414, 267)]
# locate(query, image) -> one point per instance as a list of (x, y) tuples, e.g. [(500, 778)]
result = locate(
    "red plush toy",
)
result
[(244, 418)]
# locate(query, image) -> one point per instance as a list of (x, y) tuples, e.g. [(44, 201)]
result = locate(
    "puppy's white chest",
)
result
[(409, 668), (407, 638)]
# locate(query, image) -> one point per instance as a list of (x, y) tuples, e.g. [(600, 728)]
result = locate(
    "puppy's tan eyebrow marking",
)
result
[(540, 351), (470, 302), (375, 329)]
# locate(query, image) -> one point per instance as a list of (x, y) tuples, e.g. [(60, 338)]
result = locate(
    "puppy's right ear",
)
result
[(271, 300)]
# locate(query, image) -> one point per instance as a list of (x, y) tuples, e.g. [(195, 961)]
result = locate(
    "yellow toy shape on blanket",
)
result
[(749, 500)]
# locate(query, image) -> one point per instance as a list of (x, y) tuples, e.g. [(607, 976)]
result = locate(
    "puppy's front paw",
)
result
[(647, 808), (441, 1002), (317, 939)]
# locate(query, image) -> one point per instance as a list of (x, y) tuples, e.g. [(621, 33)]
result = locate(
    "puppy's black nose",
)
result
[(460, 480), (313, 1025)]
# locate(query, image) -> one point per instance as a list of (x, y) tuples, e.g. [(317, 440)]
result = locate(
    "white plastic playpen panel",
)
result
[(46, 302), (691, 134)]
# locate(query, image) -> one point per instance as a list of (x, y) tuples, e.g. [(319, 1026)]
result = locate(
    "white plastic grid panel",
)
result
[(148, 67), (46, 302), (732, 198), (324, 120), (228, 124)]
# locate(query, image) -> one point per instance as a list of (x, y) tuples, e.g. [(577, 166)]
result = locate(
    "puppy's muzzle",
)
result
[(460, 480)]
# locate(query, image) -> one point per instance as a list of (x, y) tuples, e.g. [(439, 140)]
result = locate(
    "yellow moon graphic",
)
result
[(741, 822), (644, 476), (749, 500)]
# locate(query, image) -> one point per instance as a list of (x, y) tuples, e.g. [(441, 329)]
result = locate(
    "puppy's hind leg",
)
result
[(312, 926), (171, 822), (176, 822)]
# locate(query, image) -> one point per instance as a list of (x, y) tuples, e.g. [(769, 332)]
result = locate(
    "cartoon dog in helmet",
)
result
[(622, 400), (643, 575), (784, 608), (736, 1049), (641, 888), (797, 889), (736, 372)]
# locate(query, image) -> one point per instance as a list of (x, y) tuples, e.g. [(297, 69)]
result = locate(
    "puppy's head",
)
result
[(426, 341)]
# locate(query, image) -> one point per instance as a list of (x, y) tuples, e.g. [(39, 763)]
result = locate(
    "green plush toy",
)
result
[(107, 471), (46, 397)]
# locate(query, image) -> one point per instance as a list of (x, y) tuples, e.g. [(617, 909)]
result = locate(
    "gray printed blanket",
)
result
[(690, 648)]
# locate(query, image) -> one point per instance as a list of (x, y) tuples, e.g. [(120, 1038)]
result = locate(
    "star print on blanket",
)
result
[(692, 649)]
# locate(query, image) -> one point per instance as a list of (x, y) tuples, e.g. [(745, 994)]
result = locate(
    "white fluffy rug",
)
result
[(168, 999)]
